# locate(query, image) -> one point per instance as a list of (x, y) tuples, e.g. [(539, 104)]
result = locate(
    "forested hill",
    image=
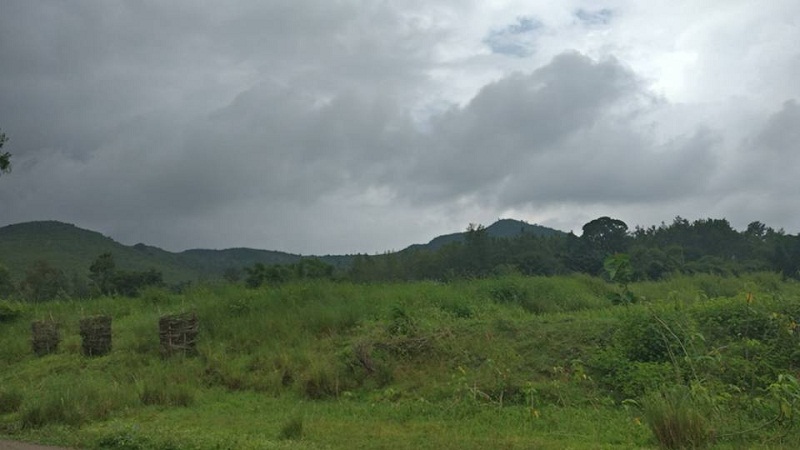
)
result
[(72, 250), (503, 228), (702, 246)]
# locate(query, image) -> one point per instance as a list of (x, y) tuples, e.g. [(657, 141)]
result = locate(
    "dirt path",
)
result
[(14, 445)]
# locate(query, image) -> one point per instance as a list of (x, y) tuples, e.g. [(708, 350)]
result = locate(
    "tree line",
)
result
[(606, 247), (702, 246), (43, 281)]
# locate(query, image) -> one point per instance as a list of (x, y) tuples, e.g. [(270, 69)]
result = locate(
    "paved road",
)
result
[(13, 445)]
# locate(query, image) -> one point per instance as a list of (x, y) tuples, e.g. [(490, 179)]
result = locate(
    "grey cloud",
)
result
[(781, 134), (768, 161), (188, 124), (511, 121)]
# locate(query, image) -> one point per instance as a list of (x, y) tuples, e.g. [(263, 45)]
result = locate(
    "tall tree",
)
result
[(102, 273), (607, 235), (44, 282), (6, 285), (5, 158)]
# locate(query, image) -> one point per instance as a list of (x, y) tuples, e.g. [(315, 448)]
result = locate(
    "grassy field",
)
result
[(511, 362)]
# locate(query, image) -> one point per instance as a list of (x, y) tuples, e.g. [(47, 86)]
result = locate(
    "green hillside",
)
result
[(73, 249), (210, 262), (503, 228)]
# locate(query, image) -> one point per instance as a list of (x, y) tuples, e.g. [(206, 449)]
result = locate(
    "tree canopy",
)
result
[(5, 157), (703, 246)]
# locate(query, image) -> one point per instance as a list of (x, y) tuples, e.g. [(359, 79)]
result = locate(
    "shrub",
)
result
[(9, 311), (54, 411), (677, 419), (292, 429), (133, 438), (400, 322), (73, 402), (10, 400), (166, 394), (624, 378), (320, 382), (654, 336)]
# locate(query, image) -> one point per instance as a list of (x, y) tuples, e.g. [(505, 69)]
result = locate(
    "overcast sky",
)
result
[(321, 127)]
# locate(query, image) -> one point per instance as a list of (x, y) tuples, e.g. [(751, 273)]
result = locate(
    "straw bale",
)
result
[(178, 333), (45, 337), (96, 335)]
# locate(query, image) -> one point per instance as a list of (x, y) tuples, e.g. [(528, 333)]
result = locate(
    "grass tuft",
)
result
[(292, 429), (166, 395), (676, 419)]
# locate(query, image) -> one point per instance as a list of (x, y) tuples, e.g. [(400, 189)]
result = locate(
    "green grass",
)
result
[(512, 362)]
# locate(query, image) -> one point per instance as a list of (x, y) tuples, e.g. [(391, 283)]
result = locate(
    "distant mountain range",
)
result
[(73, 250)]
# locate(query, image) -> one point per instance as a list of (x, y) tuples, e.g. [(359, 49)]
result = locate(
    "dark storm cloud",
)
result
[(565, 132), (769, 162), (187, 124)]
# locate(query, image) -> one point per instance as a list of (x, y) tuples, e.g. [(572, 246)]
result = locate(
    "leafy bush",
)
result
[(400, 322), (643, 336), (626, 379), (10, 400), (9, 311)]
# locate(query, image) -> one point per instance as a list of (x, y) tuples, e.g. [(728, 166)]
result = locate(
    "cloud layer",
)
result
[(339, 127)]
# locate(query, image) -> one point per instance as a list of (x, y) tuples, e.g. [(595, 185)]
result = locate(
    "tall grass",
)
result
[(677, 419), (469, 348)]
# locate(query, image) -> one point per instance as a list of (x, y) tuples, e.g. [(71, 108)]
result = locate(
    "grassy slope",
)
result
[(491, 363)]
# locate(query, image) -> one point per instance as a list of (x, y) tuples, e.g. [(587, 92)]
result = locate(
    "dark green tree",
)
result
[(129, 284), (607, 235), (108, 280), (44, 282), (102, 273), (6, 285), (313, 268), (476, 248), (5, 157), (232, 275)]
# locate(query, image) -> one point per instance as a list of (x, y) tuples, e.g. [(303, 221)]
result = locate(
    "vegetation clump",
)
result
[(677, 419)]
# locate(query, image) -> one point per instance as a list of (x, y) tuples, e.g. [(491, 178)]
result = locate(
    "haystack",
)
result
[(96, 335), (178, 333), (45, 337)]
